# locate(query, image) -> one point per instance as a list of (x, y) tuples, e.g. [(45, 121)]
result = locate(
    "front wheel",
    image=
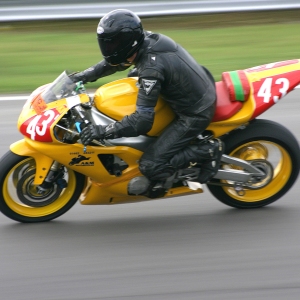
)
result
[(21, 201), (261, 140)]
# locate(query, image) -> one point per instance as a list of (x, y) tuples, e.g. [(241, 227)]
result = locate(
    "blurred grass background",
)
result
[(35, 53)]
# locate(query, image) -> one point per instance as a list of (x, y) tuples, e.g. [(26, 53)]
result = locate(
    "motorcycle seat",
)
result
[(225, 107)]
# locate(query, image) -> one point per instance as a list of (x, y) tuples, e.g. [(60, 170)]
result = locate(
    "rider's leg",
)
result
[(156, 163)]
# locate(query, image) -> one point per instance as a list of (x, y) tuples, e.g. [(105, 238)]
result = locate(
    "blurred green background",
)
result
[(35, 53)]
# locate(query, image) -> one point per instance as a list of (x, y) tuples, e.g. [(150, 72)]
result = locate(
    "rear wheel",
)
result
[(261, 140), (20, 200)]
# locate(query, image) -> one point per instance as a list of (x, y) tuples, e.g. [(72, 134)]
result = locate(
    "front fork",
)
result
[(55, 175)]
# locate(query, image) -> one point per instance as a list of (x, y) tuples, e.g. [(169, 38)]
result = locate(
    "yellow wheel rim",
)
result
[(13, 202), (276, 155)]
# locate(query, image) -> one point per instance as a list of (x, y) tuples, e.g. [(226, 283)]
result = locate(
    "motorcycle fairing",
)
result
[(271, 82), (65, 153), (268, 83), (109, 195), (39, 126), (112, 189)]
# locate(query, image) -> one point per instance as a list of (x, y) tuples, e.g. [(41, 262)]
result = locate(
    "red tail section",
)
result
[(273, 81), (265, 84)]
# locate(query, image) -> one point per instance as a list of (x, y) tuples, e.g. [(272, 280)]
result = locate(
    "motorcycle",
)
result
[(44, 174)]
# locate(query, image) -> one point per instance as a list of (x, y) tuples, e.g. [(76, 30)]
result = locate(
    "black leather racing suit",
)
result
[(164, 68)]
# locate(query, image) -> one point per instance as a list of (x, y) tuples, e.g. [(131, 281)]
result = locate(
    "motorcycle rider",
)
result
[(163, 68)]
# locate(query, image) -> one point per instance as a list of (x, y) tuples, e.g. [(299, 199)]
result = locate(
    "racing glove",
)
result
[(78, 76), (91, 132)]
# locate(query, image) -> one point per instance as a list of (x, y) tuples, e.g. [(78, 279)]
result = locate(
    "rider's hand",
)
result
[(78, 76), (91, 132)]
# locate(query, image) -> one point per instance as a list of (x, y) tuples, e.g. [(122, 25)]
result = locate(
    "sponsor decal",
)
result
[(77, 153), (81, 161), (148, 85), (268, 91), (111, 126), (100, 29), (38, 128), (38, 104)]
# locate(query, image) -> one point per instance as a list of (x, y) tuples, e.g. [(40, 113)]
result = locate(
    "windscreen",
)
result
[(61, 87)]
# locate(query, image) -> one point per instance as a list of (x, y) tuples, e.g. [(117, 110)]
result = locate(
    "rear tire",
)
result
[(13, 169), (261, 139)]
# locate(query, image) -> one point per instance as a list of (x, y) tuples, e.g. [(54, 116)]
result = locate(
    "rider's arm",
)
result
[(141, 121), (97, 71)]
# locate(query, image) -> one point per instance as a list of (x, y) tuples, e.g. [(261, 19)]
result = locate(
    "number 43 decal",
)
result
[(275, 91), (38, 127)]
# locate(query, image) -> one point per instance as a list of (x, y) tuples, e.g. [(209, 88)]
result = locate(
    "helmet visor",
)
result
[(116, 46)]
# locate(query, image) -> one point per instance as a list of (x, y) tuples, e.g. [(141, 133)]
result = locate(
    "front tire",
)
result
[(267, 140), (13, 169)]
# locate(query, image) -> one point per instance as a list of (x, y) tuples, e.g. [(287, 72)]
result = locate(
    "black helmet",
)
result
[(120, 34)]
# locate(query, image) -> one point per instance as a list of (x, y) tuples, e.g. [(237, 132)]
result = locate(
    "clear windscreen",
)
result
[(62, 87)]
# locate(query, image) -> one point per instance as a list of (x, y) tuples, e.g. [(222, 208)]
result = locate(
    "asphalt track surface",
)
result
[(183, 248)]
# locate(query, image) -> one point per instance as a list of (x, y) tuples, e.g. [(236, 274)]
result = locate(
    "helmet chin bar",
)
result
[(126, 62)]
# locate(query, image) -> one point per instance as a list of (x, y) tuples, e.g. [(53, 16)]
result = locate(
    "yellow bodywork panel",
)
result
[(118, 99)]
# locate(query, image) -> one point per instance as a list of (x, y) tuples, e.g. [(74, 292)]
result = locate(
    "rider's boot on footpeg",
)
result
[(208, 169), (204, 155)]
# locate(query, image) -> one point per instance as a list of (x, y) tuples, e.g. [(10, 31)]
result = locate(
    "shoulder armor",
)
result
[(161, 43)]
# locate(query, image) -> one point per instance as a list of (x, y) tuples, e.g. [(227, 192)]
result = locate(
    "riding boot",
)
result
[(210, 168), (205, 155)]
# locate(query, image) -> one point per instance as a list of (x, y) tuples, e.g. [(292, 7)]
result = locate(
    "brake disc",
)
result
[(31, 195)]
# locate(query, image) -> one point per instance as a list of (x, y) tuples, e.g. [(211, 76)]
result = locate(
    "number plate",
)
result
[(38, 127)]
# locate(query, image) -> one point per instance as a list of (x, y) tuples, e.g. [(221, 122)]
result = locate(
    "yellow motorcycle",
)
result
[(49, 170)]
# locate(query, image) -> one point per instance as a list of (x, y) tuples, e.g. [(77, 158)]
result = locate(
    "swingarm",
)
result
[(252, 174)]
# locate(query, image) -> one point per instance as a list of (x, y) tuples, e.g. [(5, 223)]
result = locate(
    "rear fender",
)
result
[(43, 162)]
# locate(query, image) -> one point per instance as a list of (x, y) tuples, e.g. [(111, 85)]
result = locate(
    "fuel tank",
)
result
[(118, 99)]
